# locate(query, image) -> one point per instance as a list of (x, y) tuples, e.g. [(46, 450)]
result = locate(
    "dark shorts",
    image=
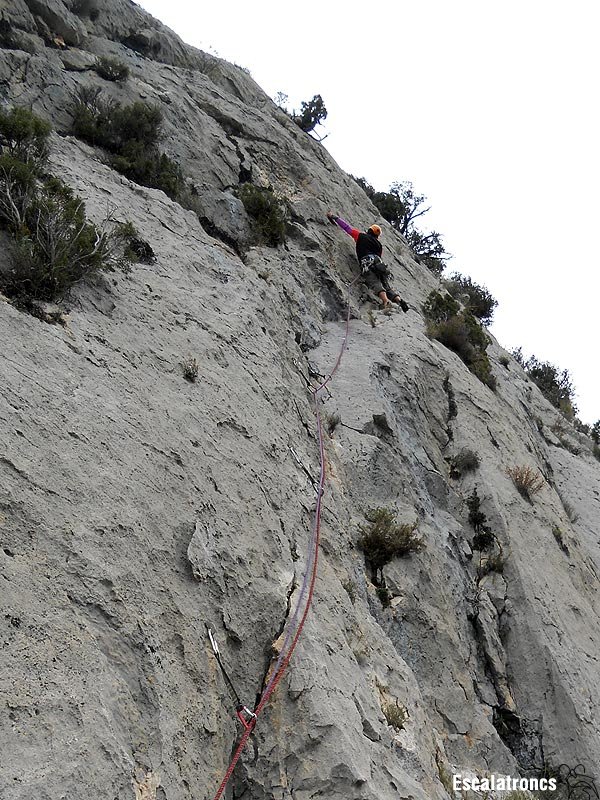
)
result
[(380, 280)]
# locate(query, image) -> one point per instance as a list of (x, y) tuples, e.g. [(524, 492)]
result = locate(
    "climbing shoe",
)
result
[(403, 305)]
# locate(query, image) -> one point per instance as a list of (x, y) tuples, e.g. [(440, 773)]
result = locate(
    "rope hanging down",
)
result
[(294, 628)]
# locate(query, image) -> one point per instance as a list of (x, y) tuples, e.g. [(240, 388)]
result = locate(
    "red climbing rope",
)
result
[(285, 656)]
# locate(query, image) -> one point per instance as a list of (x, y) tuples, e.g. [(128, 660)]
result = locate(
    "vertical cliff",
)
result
[(137, 507)]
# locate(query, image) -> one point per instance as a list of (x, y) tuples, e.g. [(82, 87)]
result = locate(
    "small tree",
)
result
[(312, 113), (480, 301), (401, 206)]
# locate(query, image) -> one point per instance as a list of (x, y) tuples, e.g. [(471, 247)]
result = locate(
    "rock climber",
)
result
[(368, 251)]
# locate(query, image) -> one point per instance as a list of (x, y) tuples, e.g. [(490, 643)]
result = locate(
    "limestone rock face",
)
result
[(59, 20), (136, 507)]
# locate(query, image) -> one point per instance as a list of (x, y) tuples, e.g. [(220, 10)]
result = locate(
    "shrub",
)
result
[(139, 250), (111, 69), (504, 360), (56, 246), (131, 135), (556, 385), (484, 538), (527, 480), (312, 113), (440, 307), (480, 301), (460, 332), (383, 539), (384, 596), (595, 432), (267, 211), (395, 715), (24, 136), (464, 461), (189, 368)]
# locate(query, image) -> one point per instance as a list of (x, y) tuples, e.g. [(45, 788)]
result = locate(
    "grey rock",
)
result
[(77, 60), (223, 215), (59, 20), (136, 507)]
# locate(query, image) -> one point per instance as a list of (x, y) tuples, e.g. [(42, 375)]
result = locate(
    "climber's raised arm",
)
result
[(335, 220)]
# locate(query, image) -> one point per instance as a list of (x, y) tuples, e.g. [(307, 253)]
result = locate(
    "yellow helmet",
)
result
[(375, 230)]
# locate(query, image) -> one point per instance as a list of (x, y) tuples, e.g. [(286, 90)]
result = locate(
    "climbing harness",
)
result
[(248, 718)]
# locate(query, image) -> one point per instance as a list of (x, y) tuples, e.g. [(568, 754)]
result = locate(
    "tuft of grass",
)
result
[(445, 779), (189, 368), (527, 480), (464, 461), (560, 538), (383, 539), (111, 69), (332, 421), (396, 715), (350, 588)]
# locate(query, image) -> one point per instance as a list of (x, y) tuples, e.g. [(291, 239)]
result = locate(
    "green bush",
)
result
[(556, 385), (484, 537), (440, 307), (480, 301), (267, 211), (460, 332), (383, 539), (131, 135), (384, 596), (24, 136), (55, 245), (111, 69)]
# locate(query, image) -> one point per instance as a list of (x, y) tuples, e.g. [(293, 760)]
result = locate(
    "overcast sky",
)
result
[(489, 108)]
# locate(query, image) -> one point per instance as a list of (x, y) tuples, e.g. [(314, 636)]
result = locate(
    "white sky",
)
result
[(490, 108)]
